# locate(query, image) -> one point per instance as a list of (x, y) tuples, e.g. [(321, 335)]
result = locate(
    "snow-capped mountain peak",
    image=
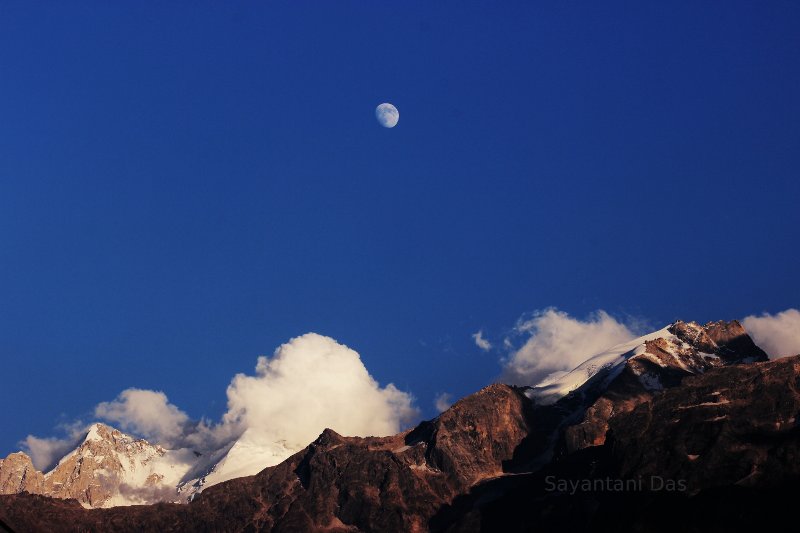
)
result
[(248, 455), (110, 468), (607, 363), (680, 349)]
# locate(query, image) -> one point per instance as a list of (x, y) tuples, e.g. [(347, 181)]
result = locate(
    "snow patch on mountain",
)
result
[(244, 457), (610, 362)]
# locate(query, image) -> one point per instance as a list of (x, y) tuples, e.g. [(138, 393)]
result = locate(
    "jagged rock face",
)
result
[(663, 364), (396, 483), (97, 472), (17, 474), (92, 475), (728, 340), (736, 425), (729, 436), (478, 435)]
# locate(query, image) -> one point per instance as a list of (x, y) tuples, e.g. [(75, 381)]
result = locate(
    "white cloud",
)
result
[(481, 342), (148, 414), (443, 401), (310, 383), (45, 452), (557, 342), (778, 335)]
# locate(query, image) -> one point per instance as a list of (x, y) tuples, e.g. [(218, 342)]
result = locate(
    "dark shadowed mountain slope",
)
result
[(721, 452)]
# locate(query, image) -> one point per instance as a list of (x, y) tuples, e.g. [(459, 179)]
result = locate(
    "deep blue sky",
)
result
[(185, 186)]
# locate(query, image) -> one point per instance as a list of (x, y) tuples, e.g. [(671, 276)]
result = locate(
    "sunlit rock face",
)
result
[(108, 468), (17, 474)]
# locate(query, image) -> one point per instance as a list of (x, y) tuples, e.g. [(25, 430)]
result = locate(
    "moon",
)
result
[(387, 115)]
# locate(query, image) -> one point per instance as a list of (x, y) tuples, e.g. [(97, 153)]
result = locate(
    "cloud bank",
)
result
[(556, 342), (778, 335), (310, 383)]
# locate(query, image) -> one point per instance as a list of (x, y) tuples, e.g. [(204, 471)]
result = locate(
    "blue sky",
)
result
[(186, 186)]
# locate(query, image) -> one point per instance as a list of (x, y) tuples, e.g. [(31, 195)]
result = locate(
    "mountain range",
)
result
[(110, 468), (689, 428)]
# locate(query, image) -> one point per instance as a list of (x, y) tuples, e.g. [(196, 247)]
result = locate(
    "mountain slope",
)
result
[(606, 364), (717, 453), (17, 474), (245, 456), (694, 406), (382, 484)]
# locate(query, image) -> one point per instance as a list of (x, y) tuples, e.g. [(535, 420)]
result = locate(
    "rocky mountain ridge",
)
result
[(697, 407)]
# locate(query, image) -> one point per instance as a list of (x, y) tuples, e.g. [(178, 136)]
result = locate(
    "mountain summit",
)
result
[(110, 468), (107, 468), (680, 349)]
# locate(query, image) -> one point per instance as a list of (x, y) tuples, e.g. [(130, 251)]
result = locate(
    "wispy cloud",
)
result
[(443, 401), (778, 334), (481, 342), (46, 451), (555, 342)]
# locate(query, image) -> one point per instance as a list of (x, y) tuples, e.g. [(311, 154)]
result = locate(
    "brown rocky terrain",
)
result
[(717, 453), (662, 364), (95, 473), (700, 428)]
